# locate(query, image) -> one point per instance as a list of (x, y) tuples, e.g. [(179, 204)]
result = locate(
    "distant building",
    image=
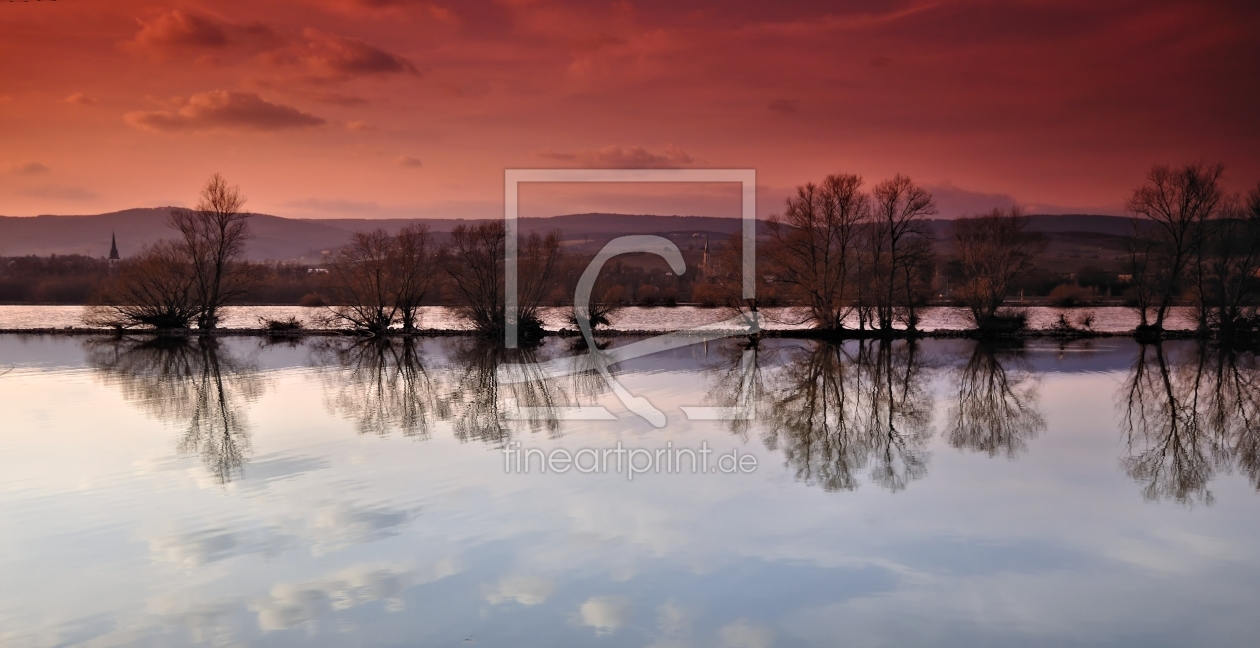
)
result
[(114, 259)]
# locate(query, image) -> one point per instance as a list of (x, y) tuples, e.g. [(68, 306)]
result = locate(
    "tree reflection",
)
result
[(836, 409), (1186, 418), (996, 411), (192, 383), (383, 385), (481, 401)]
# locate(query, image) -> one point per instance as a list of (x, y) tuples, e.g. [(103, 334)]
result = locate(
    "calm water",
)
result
[(1106, 318), (328, 493)]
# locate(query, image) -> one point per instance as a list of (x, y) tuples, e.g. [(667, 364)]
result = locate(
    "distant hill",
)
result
[(277, 238)]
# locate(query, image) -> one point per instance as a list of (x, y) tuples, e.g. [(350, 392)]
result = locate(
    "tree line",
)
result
[(843, 255)]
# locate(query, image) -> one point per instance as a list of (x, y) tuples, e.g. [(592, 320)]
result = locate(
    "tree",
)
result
[(1169, 212), (157, 289), (475, 265), (1227, 268), (414, 267), (213, 241), (898, 249), (992, 251), (363, 282), (812, 246)]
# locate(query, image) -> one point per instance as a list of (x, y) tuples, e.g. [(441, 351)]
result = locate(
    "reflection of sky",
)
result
[(111, 537)]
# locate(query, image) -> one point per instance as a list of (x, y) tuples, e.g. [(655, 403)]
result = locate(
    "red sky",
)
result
[(377, 108)]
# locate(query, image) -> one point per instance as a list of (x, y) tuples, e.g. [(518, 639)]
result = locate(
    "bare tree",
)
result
[(415, 271), (1227, 268), (155, 289), (897, 246), (993, 250), (213, 240), (363, 285), (1169, 211), (812, 248), (474, 264)]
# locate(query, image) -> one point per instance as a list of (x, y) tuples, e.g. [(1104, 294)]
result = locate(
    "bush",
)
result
[(1069, 296), (288, 325), (1005, 320), (648, 294), (312, 300)]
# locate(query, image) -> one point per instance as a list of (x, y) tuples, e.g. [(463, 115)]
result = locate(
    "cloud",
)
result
[(181, 33), (177, 30), (952, 202), (880, 61), (526, 590), (615, 157), (408, 161), (605, 613), (741, 634), (423, 7), (784, 106), (224, 110), (60, 192), (27, 168), (327, 57), (80, 99), (288, 604), (360, 127)]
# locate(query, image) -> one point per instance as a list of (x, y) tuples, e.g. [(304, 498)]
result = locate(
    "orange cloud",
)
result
[(615, 157), (79, 99), (177, 30), (408, 161), (327, 57), (27, 168), (224, 110)]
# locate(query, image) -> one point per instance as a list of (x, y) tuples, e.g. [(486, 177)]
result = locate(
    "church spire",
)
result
[(113, 247)]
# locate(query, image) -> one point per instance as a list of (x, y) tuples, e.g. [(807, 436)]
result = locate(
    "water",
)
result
[(1113, 319), (332, 493)]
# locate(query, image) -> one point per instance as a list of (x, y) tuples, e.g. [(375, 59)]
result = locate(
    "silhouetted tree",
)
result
[(415, 269), (1227, 268), (898, 251), (213, 238), (474, 264), (1169, 212), (993, 250), (812, 248), (363, 282), (156, 288)]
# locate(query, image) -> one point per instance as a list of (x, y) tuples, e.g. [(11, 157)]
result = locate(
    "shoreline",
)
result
[(804, 334)]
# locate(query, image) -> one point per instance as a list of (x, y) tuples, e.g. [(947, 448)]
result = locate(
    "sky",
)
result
[(402, 108)]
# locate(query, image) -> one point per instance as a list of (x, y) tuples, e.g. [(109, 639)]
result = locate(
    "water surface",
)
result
[(334, 492)]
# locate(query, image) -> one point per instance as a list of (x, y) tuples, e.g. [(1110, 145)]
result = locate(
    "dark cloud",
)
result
[(224, 110), (408, 161), (616, 157), (176, 30), (327, 57)]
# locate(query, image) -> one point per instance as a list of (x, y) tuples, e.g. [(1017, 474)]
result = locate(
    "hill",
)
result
[(277, 238)]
